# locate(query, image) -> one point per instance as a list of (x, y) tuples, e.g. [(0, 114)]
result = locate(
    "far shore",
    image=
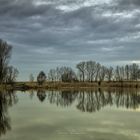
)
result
[(71, 85)]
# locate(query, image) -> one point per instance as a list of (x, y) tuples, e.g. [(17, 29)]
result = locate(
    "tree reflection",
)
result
[(95, 100), (67, 97), (92, 101), (41, 94), (128, 98), (62, 98), (7, 99)]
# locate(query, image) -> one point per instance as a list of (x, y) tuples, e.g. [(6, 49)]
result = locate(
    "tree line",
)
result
[(86, 71), (91, 71)]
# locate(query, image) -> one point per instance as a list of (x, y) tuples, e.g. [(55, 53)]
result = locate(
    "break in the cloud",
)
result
[(48, 33)]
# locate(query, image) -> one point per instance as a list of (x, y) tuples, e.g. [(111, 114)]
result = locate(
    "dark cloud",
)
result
[(129, 2), (22, 8), (127, 5)]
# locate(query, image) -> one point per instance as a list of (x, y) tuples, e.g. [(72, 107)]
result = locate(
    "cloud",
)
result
[(47, 33), (24, 9), (129, 2)]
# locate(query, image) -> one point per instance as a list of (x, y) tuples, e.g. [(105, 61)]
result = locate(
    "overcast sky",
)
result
[(49, 33)]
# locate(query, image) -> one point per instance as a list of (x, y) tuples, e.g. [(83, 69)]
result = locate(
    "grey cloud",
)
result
[(127, 5), (22, 8), (129, 2)]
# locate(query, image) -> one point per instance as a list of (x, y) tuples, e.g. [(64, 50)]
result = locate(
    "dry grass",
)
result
[(73, 85)]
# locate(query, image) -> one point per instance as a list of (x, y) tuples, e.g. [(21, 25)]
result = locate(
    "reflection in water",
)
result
[(41, 94), (85, 101), (92, 101), (7, 99), (62, 98)]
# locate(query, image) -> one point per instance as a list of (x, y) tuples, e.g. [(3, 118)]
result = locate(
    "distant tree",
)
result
[(52, 75), (109, 73), (41, 78), (58, 74), (82, 69), (102, 73), (120, 73), (5, 53), (127, 72), (98, 67), (117, 73), (90, 70), (68, 75), (31, 78), (134, 71)]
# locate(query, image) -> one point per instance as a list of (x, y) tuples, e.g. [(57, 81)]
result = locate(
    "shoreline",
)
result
[(72, 85)]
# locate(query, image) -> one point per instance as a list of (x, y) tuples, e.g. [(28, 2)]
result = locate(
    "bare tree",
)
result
[(127, 72), (102, 73), (52, 75), (5, 53), (68, 75), (117, 73), (120, 73), (134, 71), (109, 73), (58, 74), (98, 67), (82, 69), (91, 68)]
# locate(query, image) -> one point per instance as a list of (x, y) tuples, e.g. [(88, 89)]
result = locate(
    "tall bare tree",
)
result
[(109, 73), (102, 73), (91, 68), (82, 69), (5, 53)]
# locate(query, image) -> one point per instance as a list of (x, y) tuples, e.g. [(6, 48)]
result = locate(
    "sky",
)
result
[(50, 33)]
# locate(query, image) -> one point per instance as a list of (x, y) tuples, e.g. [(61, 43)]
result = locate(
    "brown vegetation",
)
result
[(72, 85)]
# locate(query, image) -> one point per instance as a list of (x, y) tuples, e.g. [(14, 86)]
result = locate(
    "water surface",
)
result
[(70, 115)]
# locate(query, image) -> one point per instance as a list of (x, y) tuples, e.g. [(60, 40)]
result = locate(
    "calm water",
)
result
[(70, 115)]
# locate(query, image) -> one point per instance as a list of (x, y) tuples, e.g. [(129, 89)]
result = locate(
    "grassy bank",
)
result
[(78, 85)]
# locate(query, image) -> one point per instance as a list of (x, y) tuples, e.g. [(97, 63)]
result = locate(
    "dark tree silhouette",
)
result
[(41, 78), (5, 53)]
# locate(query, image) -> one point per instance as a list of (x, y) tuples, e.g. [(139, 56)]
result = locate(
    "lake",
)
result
[(109, 114)]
